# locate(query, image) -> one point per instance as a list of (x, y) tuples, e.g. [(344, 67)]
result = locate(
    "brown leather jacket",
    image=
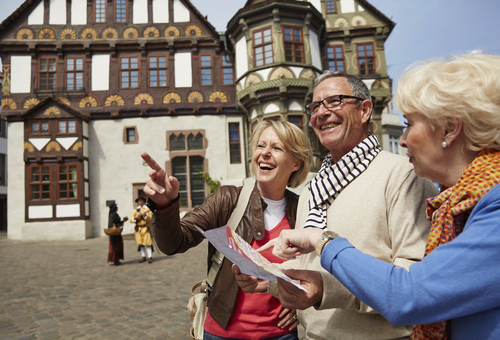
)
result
[(173, 235)]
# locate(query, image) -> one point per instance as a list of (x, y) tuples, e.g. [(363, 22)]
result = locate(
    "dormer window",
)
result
[(39, 127), (66, 126)]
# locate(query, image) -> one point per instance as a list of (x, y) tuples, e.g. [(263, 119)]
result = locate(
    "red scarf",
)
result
[(448, 212)]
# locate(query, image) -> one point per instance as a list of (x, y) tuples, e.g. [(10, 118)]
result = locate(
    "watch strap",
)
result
[(326, 237)]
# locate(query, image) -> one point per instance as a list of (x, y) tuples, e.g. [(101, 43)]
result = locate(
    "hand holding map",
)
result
[(239, 252)]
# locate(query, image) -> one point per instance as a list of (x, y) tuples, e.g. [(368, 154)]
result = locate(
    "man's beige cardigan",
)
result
[(382, 213)]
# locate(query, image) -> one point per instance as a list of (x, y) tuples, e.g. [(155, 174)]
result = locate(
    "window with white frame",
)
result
[(206, 69), (394, 144), (263, 46), (227, 70), (100, 11), (158, 71)]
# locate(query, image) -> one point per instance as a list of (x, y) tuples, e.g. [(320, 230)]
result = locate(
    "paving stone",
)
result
[(66, 290)]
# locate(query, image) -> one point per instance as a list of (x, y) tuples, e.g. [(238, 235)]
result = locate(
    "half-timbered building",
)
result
[(90, 84)]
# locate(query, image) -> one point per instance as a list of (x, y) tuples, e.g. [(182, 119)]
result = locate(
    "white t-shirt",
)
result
[(274, 212)]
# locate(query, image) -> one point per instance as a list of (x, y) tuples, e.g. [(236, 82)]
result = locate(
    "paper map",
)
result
[(239, 252)]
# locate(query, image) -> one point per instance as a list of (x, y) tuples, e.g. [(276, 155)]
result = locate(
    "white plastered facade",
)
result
[(114, 180), (113, 169), (32, 231)]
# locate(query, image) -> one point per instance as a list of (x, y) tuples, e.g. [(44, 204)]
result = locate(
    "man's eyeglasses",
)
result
[(328, 103)]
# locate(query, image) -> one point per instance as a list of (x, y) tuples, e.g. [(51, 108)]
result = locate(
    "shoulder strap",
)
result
[(233, 222), (241, 205)]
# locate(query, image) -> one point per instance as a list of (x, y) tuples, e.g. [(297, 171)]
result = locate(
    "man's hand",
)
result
[(249, 284), (138, 218), (293, 297), (293, 242), (160, 187)]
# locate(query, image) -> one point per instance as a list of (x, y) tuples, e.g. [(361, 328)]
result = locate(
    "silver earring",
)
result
[(444, 144)]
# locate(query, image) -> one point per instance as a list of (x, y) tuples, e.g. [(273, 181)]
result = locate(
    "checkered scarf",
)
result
[(333, 178)]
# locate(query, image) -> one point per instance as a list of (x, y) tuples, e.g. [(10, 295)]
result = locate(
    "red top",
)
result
[(255, 316)]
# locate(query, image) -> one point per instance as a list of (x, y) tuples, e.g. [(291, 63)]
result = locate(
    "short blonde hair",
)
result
[(466, 87), (295, 142)]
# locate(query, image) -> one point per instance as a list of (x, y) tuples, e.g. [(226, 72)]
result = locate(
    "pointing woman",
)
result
[(281, 157)]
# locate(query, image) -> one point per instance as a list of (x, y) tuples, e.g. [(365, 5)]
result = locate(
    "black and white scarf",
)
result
[(333, 178)]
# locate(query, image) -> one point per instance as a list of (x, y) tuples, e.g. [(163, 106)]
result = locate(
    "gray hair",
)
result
[(359, 89)]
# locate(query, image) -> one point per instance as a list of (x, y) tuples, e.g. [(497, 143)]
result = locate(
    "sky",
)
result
[(424, 28)]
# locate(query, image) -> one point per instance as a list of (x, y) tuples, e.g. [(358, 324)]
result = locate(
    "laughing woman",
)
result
[(281, 157), (452, 110)]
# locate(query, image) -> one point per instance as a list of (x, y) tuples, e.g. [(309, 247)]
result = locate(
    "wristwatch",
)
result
[(326, 237)]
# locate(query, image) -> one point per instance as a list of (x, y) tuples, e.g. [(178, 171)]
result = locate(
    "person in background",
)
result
[(281, 157), (141, 216), (452, 111), (115, 242), (371, 196)]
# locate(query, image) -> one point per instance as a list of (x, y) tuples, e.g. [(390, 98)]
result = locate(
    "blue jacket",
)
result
[(458, 281)]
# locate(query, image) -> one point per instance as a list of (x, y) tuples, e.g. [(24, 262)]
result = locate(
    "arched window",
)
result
[(195, 142), (177, 142), (187, 165)]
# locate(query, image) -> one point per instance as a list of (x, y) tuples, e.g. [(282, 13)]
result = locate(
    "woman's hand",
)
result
[(288, 318), (293, 242), (125, 219), (249, 284), (160, 187)]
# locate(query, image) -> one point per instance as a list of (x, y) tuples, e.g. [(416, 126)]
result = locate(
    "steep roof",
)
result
[(11, 18), (365, 3), (377, 12), (201, 17)]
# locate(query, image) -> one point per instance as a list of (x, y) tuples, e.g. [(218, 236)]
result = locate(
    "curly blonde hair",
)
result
[(296, 143), (465, 87)]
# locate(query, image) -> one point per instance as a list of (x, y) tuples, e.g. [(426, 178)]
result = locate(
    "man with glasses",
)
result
[(371, 197)]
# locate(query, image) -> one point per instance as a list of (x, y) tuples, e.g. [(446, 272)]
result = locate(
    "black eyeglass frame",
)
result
[(341, 97)]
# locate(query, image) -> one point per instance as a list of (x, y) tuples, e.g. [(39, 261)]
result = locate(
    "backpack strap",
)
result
[(233, 222)]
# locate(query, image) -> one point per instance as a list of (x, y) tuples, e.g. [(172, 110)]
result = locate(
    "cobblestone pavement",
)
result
[(66, 290)]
